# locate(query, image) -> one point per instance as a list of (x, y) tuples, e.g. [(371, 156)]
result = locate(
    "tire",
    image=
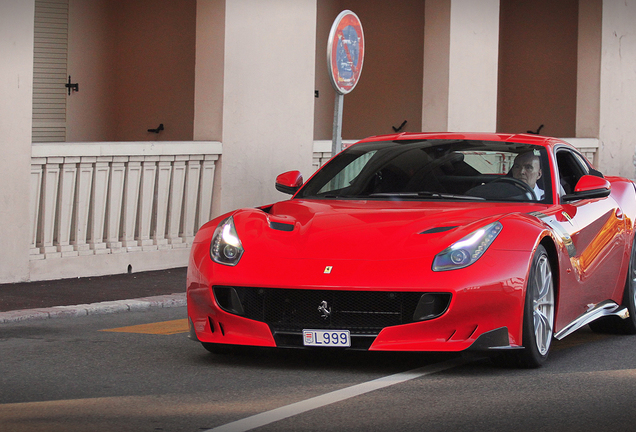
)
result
[(615, 324), (538, 316)]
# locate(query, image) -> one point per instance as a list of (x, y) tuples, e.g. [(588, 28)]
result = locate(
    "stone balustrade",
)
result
[(123, 197)]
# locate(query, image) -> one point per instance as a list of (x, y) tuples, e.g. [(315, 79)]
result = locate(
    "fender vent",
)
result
[(438, 230), (281, 226)]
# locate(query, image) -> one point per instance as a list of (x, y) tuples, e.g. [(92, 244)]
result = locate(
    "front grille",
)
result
[(361, 312)]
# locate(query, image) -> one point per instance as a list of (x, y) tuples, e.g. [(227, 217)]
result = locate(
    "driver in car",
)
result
[(527, 168)]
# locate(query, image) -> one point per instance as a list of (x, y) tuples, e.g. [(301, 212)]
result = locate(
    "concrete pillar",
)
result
[(461, 49), (16, 88), (208, 79), (618, 89), (268, 98)]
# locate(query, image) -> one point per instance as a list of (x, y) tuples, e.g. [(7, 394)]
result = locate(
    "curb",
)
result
[(101, 308)]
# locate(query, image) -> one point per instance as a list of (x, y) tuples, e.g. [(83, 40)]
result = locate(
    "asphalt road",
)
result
[(138, 371)]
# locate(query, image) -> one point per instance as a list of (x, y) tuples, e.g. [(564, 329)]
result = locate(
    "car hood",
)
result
[(363, 230)]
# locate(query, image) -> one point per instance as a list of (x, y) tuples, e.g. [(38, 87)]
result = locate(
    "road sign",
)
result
[(345, 51), (345, 56)]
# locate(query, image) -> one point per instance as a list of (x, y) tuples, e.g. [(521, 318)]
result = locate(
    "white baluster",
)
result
[(50, 185), (193, 172), (34, 208), (98, 205), (146, 202), (177, 187), (82, 205), (205, 193), (164, 172), (68, 177), (115, 200), (130, 203)]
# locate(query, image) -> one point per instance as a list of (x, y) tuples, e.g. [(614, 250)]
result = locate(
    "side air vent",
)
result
[(438, 230), (431, 305), (228, 299), (281, 226)]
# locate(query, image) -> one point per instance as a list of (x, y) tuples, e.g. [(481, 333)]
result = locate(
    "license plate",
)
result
[(327, 338)]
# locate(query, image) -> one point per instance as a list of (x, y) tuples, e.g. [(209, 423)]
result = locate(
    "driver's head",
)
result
[(527, 168)]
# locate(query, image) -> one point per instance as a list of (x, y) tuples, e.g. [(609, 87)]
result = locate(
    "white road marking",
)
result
[(284, 412)]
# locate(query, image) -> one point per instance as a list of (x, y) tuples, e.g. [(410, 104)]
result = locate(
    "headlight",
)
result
[(226, 248), (468, 250)]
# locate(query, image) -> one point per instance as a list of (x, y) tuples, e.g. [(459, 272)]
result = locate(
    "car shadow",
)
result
[(326, 359)]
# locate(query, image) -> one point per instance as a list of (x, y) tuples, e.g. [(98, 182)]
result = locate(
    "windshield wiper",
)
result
[(424, 194)]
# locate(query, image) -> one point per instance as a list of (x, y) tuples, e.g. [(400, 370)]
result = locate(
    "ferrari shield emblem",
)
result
[(328, 269)]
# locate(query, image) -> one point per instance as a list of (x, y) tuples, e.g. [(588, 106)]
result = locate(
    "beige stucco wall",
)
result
[(16, 90), (390, 87), (134, 62), (618, 89), (588, 89), (538, 67), (268, 98), (90, 44), (327, 11)]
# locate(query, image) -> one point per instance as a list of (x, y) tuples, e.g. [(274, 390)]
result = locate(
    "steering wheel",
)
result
[(519, 184)]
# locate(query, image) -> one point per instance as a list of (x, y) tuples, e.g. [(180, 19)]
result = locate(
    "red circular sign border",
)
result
[(344, 19)]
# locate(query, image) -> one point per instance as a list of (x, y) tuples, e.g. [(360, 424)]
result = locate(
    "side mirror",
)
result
[(589, 186), (289, 182)]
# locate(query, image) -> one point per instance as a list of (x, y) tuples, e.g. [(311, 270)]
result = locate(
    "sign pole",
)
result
[(336, 144)]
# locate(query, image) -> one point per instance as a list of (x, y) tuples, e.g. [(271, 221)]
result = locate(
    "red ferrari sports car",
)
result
[(424, 242)]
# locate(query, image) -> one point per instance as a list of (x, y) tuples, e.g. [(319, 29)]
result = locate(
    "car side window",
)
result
[(571, 169)]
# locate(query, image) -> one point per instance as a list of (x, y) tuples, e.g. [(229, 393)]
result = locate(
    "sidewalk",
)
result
[(94, 295)]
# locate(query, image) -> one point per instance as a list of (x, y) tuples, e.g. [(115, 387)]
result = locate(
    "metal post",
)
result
[(336, 145)]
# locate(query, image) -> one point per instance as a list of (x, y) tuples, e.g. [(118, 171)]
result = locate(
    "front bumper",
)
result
[(485, 311)]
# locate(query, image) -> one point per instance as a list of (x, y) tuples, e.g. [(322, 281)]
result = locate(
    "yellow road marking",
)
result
[(159, 328)]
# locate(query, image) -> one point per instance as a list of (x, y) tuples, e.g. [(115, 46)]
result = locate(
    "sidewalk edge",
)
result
[(106, 307)]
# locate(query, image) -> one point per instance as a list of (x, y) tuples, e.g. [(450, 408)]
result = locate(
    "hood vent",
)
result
[(281, 226), (438, 230)]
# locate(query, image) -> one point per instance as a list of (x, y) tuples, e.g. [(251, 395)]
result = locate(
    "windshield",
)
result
[(435, 169)]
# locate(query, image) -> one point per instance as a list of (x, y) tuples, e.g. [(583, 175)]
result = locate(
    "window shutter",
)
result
[(49, 71)]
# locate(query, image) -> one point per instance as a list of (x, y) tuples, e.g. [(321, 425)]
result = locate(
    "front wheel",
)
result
[(538, 317)]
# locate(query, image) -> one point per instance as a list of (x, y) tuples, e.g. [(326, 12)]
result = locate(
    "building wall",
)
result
[(618, 89), (390, 87), (16, 90), (588, 91), (89, 112), (134, 62), (538, 67), (268, 97)]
